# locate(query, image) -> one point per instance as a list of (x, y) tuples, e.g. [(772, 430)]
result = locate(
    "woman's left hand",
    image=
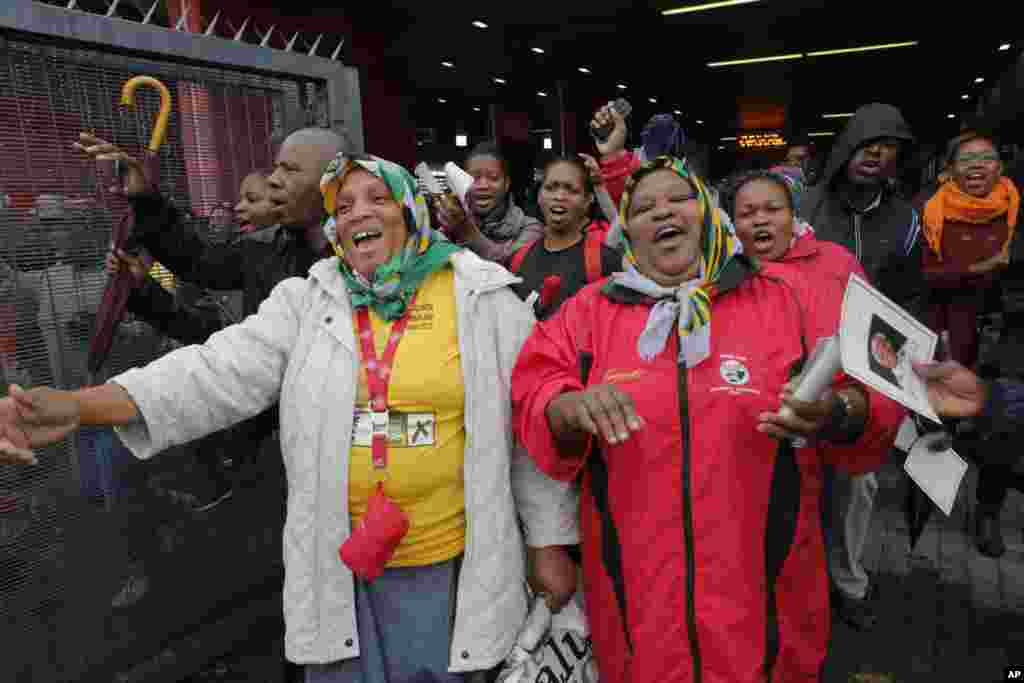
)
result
[(802, 419)]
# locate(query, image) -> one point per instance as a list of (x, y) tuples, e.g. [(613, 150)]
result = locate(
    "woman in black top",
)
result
[(572, 253)]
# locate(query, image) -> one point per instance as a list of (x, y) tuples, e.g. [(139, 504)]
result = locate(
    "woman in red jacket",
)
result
[(701, 530)]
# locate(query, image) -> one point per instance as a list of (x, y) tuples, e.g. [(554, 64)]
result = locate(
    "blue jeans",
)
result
[(100, 457)]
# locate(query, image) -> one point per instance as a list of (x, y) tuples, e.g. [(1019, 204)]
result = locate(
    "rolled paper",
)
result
[(425, 176), (459, 181), (818, 374)]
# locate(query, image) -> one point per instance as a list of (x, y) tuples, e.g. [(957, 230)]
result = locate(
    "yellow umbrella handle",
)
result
[(162, 119)]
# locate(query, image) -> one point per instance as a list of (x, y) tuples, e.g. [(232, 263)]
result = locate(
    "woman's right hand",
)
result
[(35, 417), (135, 182), (602, 410), (117, 259), (616, 141)]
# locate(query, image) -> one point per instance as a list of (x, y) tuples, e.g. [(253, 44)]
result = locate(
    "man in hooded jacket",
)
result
[(854, 205)]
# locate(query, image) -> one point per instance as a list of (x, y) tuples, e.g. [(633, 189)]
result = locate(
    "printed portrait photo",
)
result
[(885, 347)]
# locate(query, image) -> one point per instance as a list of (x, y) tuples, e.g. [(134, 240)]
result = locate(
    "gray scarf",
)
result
[(673, 304), (502, 223)]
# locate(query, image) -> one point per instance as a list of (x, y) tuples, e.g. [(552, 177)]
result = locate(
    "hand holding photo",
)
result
[(879, 342)]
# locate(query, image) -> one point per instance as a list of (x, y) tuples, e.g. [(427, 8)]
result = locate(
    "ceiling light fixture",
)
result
[(865, 48), (652, 100), (845, 115), (499, 81), (584, 70), (442, 100), (476, 108), (821, 134), (537, 50), (1004, 47), (479, 24), (686, 9), (621, 86), (547, 143), (721, 147), (728, 139), (699, 122), (541, 93), (950, 116), (757, 60), (461, 140), (677, 112), (448, 65), (979, 79), (965, 96)]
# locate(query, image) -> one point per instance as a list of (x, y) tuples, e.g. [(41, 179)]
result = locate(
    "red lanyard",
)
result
[(378, 376)]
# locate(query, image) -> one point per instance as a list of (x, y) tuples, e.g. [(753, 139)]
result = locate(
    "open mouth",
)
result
[(365, 237), (870, 167), (667, 233), (558, 211), (763, 240), (976, 177)]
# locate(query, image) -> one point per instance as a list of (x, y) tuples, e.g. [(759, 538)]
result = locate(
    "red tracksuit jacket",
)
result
[(702, 547)]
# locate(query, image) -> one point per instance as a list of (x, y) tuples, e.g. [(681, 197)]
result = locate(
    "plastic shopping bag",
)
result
[(552, 648)]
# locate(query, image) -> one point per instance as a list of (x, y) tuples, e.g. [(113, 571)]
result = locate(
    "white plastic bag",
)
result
[(459, 181), (552, 648)]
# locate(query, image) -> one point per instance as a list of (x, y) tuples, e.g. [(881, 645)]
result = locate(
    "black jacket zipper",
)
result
[(691, 609)]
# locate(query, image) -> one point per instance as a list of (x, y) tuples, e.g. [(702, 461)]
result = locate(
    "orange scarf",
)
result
[(952, 203)]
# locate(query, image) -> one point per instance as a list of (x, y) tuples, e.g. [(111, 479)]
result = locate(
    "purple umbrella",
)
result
[(115, 297)]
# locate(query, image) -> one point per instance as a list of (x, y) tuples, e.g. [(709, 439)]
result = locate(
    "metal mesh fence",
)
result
[(102, 559)]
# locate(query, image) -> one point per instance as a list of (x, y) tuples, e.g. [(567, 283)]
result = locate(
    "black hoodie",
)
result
[(885, 236)]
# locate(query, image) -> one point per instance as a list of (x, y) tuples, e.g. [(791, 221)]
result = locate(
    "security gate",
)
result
[(105, 572)]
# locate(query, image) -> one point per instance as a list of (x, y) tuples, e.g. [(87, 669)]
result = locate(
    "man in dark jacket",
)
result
[(176, 240), (853, 205)]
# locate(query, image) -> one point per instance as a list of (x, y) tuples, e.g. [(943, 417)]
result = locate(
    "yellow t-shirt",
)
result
[(427, 437)]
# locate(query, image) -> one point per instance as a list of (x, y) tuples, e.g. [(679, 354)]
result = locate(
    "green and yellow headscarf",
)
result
[(689, 305), (391, 287)]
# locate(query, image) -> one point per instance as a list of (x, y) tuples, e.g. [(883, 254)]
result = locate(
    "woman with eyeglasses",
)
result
[(968, 227)]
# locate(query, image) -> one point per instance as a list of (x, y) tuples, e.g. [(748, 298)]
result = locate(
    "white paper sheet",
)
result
[(907, 434), (878, 340), (937, 474)]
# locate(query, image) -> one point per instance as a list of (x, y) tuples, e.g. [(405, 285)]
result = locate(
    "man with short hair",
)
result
[(800, 153), (854, 205)]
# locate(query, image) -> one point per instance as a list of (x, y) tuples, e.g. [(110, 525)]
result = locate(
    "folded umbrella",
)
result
[(115, 296)]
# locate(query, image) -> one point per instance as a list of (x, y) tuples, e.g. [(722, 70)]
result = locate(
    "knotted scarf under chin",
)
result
[(685, 308)]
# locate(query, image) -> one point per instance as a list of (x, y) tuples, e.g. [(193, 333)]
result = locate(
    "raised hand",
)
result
[(14, 441), (135, 182), (616, 141)]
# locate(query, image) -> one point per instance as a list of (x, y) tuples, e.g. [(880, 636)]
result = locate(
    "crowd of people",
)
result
[(475, 405)]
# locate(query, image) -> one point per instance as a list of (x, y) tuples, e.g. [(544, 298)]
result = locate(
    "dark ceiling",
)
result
[(665, 58)]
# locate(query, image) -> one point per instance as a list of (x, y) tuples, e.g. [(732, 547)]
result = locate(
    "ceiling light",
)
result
[(721, 147), (476, 108), (979, 79), (479, 24), (845, 115), (621, 86), (728, 139), (822, 134), (756, 60), (547, 143), (699, 122), (653, 100), (708, 5), (541, 93), (584, 70), (461, 140), (950, 116), (866, 48), (442, 100), (677, 112), (965, 97), (1004, 47), (537, 50), (499, 81), (448, 65)]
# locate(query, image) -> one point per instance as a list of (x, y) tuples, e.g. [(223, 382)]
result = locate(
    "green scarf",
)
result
[(393, 284)]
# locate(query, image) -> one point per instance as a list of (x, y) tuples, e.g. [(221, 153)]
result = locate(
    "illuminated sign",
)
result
[(760, 140)]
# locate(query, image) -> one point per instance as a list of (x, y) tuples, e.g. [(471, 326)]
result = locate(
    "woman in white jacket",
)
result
[(392, 365)]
